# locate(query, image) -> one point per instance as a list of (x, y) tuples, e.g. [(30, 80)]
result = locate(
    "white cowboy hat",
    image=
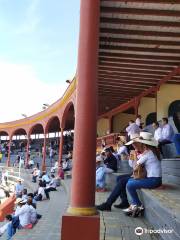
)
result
[(99, 159), (146, 138), (18, 200)]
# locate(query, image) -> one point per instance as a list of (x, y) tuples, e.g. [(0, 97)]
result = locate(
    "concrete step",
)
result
[(171, 170), (162, 209)]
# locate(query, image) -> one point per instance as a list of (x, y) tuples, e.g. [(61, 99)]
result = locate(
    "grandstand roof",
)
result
[(139, 49)]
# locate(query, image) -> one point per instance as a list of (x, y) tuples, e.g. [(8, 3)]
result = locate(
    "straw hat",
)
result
[(122, 139), (18, 200), (145, 138)]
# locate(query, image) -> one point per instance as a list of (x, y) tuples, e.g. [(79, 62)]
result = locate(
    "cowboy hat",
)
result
[(145, 138), (122, 139), (18, 200), (99, 159)]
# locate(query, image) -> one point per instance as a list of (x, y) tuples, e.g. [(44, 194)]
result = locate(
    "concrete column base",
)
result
[(80, 227)]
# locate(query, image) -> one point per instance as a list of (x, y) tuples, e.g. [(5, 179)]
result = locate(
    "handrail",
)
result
[(7, 207)]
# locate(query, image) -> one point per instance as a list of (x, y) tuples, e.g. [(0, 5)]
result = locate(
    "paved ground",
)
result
[(116, 226)]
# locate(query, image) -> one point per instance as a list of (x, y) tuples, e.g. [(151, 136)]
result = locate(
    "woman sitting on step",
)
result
[(148, 164)]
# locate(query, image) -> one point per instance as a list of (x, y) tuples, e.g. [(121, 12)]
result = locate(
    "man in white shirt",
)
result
[(138, 121), (24, 214), (167, 131), (167, 134), (157, 131), (132, 129)]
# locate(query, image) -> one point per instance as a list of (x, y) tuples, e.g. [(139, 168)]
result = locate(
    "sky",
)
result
[(38, 53)]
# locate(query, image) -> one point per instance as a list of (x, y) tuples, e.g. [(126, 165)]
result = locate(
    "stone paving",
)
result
[(116, 226)]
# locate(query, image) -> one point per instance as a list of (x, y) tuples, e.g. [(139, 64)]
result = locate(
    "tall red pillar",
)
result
[(9, 153), (27, 150), (82, 220), (61, 147), (44, 154)]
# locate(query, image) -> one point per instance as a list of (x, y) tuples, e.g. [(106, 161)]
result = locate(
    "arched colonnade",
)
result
[(57, 118)]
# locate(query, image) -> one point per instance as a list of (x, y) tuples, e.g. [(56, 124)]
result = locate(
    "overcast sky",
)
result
[(38, 52)]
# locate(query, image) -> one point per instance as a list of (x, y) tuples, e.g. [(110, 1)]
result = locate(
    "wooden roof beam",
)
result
[(125, 82), (140, 22), (139, 41), (135, 66), (129, 74), (147, 1), (132, 102), (139, 11), (139, 32), (137, 61), (139, 56), (140, 49), (119, 70)]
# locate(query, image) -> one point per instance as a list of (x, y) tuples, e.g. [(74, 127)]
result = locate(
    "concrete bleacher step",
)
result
[(162, 209), (171, 170)]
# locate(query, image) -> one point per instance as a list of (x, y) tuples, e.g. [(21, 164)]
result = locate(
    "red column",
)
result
[(27, 151), (83, 182), (82, 211), (44, 154), (61, 147), (9, 153)]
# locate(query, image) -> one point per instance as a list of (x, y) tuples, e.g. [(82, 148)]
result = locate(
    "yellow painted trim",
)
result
[(47, 113), (82, 211)]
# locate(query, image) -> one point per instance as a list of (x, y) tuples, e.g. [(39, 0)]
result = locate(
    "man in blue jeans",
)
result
[(118, 191)]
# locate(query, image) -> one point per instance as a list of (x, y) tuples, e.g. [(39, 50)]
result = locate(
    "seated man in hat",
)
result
[(100, 174)]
